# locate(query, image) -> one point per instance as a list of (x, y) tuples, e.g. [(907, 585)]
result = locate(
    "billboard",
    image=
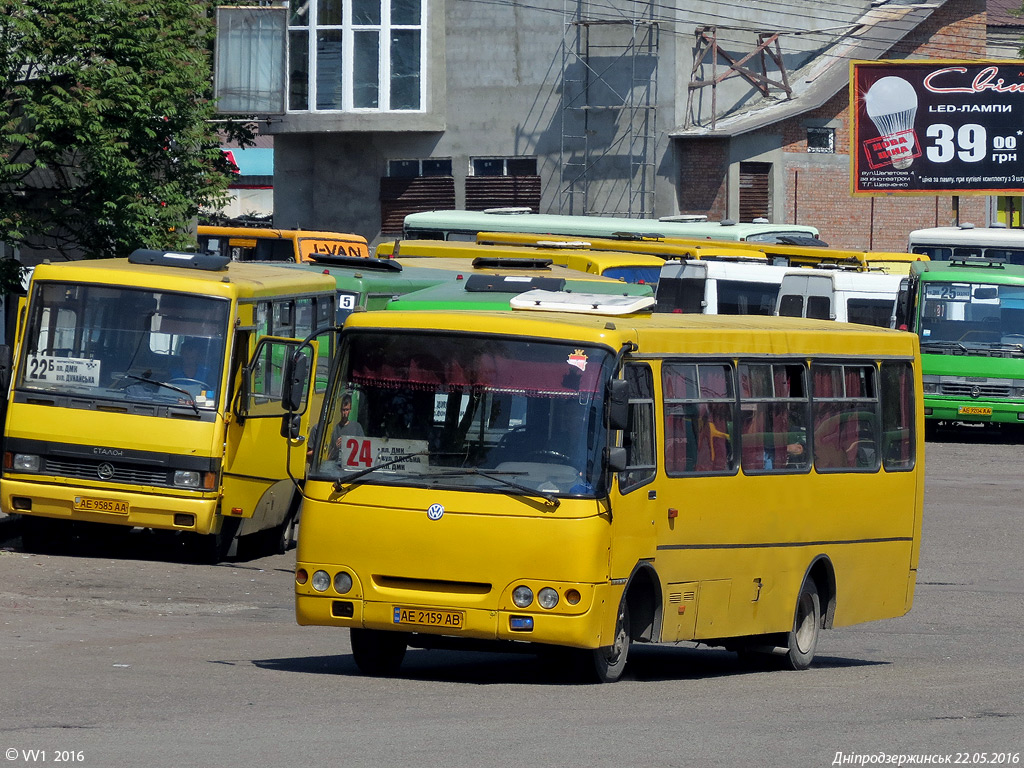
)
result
[(935, 126)]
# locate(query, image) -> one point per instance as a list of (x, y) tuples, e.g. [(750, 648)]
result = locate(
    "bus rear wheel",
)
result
[(802, 640), (376, 652), (610, 661)]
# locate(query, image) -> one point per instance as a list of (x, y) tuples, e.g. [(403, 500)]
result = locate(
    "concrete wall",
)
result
[(503, 96), (496, 89)]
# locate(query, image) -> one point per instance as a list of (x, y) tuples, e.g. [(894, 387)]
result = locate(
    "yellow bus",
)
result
[(256, 244), (628, 267), (146, 393), (649, 245), (591, 478), (789, 251)]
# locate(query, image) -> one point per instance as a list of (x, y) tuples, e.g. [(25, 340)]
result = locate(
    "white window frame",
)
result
[(348, 30)]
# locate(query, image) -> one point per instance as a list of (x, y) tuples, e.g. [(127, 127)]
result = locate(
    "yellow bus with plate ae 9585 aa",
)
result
[(580, 474), (147, 393)]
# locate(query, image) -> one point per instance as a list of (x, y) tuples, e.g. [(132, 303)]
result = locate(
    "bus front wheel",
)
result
[(376, 652), (802, 640), (610, 661)]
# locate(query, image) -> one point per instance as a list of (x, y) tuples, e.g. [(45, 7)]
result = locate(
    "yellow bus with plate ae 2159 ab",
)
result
[(580, 473), (147, 394)]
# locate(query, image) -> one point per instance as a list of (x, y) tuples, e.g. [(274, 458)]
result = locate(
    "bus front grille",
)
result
[(122, 473), (967, 390)]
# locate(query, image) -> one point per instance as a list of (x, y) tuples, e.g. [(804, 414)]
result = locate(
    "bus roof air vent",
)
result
[(587, 303), (497, 262), (206, 261), (511, 211), (512, 283), (357, 262)]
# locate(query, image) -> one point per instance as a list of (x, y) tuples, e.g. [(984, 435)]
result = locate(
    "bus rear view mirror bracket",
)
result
[(617, 413)]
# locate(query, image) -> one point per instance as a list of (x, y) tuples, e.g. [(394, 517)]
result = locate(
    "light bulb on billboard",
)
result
[(892, 106)]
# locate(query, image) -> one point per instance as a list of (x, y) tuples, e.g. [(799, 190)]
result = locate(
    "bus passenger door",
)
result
[(256, 455)]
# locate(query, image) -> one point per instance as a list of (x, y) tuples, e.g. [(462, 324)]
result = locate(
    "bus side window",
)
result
[(898, 445), (699, 418), (773, 404), (845, 412), (639, 438)]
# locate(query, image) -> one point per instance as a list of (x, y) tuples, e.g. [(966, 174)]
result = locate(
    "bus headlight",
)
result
[(342, 582), (522, 596), (321, 581), (547, 598), (186, 478), (26, 462), (931, 385)]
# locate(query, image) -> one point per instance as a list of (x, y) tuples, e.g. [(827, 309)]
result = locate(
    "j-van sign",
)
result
[(925, 127)]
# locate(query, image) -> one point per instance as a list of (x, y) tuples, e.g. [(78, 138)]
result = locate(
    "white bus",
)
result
[(969, 242), (719, 287), (842, 295)]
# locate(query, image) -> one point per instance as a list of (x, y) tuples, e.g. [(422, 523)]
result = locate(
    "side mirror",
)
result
[(5, 365), (615, 459), (296, 375), (242, 399), (617, 404), (291, 425)]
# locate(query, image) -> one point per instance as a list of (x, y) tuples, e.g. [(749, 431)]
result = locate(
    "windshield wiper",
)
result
[(944, 344), (157, 382), (341, 482), (496, 477)]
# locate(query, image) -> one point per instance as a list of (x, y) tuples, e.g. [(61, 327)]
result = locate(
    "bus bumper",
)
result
[(582, 630), (116, 507), (973, 411)]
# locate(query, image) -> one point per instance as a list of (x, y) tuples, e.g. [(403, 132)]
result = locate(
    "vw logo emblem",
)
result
[(975, 392), (105, 471), (435, 511)]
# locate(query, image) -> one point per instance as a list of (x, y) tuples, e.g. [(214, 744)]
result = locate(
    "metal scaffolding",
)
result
[(609, 110)]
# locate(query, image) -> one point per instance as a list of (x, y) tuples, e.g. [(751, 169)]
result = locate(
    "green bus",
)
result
[(464, 225), (369, 284), (969, 316), (494, 292)]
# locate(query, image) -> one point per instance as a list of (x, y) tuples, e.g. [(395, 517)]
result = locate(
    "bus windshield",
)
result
[(509, 416), (958, 316), (126, 344)]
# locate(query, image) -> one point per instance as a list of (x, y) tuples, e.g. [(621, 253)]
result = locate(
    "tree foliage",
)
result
[(106, 143)]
